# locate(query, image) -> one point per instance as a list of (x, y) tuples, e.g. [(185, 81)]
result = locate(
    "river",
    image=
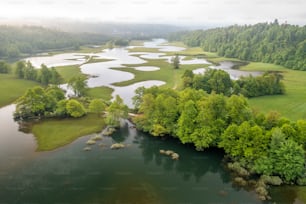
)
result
[(136, 174)]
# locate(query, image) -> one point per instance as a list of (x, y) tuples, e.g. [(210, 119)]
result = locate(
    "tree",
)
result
[(4, 67), (32, 103), (78, 85), (176, 61), (20, 69), (45, 75), (75, 108), (116, 111), (30, 73), (187, 122), (220, 82), (55, 77), (96, 106)]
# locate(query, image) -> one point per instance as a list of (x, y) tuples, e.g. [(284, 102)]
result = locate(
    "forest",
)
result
[(256, 143), (26, 40), (280, 44), (219, 81)]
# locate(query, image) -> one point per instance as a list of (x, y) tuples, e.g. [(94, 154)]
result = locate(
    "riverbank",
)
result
[(51, 134)]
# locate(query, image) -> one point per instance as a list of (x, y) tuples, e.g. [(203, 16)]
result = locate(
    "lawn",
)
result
[(291, 105), (102, 92), (52, 134), (68, 72), (12, 88), (167, 73)]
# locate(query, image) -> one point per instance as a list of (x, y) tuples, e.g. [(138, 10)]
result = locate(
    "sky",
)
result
[(185, 12)]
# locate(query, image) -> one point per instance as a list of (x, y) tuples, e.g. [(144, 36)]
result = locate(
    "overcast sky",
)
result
[(160, 11)]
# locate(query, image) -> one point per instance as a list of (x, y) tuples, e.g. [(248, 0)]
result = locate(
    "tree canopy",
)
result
[(281, 44), (265, 144)]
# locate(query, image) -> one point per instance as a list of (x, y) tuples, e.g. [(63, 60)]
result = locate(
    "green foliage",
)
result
[(266, 144), (39, 102), (4, 67), (116, 111), (176, 61), (219, 81), (75, 108), (45, 75), (285, 158), (78, 85), (18, 41), (272, 43), (96, 106)]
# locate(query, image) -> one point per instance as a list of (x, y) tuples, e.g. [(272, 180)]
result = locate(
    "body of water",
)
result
[(135, 174)]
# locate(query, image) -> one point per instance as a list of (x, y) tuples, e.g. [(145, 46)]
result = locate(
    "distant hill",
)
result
[(263, 42), (16, 41)]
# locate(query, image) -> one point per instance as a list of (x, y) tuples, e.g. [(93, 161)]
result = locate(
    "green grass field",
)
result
[(102, 92), (52, 134), (292, 104), (11, 88), (166, 73), (70, 71)]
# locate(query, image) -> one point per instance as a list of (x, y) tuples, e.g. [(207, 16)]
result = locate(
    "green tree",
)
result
[(116, 111), (32, 103), (176, 61), (55, 77), (45, 75), (30, 73), (78, 85), (4, 67), (19, 71), (96, 106), (75, 108), (220, 82)]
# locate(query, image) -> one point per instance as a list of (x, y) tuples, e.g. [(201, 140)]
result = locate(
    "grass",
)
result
[(95, 60), (136, 43), (82, 49), (102, 92), (143, 49), (52, 134), (70, 71), (167, 73), (12, 88), (292, 104)]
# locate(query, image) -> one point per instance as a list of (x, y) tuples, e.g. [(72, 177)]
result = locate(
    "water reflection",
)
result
[(228, 67)]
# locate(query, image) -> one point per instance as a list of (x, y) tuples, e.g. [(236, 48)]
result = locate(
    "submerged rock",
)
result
[(87, 148), (96, 137), (170, 153), (240, 181), (91, 142), (117, 146), (175, 156), (109, 131)]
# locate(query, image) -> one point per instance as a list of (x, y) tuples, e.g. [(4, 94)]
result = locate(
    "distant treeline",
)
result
[(264, 42), (19, 41)]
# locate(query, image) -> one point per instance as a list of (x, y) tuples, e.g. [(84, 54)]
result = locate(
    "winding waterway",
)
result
[(135, 174)]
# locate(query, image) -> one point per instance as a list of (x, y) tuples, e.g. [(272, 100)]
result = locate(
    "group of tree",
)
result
[(4, 67), (219, 81), (44, 75), (26, 40), (281, 44), (264, 144), (50, 102)]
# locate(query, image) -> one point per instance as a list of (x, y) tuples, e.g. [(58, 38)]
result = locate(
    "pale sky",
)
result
[(159, 11)]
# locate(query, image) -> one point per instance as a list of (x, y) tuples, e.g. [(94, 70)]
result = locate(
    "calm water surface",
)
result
[(136, 174)]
